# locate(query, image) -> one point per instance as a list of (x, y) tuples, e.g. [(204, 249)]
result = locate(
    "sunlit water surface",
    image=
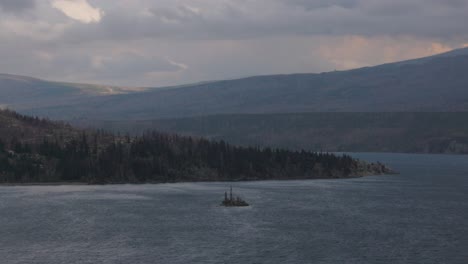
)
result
[(419, 216)]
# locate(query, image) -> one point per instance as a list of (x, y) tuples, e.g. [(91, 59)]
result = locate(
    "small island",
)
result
[(233, 202)]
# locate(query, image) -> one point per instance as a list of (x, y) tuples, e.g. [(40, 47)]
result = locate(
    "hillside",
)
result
[(39, 151), (21, 92), (432, 84), (31, 130), (412, 132)]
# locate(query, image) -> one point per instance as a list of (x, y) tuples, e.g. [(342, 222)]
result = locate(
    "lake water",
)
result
[(419, 216)]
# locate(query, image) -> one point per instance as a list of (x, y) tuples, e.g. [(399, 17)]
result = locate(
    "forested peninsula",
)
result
[(34, 150)]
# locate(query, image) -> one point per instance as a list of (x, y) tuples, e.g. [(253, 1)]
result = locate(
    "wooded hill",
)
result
[(417, 132), (34, 150)]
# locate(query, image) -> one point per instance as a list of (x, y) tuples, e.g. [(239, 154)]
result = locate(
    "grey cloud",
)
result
[(16, 6), (176, 15), (396, 8), (394, 4), (311, 4), (117, 66), (87, 63), (245, 20), (452, 3), (217, 39), (39, 60)]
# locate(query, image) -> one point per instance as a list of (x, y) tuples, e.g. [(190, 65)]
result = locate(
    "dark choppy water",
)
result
[(420, 216)]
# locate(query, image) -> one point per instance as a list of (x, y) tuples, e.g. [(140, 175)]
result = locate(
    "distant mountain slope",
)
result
[(24, 91), (359, 132), (436, 83), (453, 53), (21, 92)]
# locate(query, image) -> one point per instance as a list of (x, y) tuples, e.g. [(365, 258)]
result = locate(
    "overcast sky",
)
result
[(167, 42)]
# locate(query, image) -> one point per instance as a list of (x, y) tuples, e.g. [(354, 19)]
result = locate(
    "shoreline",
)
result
[(45, 184), (52, 184)]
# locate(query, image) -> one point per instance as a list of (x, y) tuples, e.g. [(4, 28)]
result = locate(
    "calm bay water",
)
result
[(419, 216)]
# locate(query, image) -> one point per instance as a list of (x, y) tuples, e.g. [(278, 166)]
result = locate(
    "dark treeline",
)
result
[(99, 157)]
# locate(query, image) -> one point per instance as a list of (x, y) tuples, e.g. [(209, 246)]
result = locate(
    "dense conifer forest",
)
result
[(34, 150)]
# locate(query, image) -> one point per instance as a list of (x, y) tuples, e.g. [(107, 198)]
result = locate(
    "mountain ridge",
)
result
[(437, 83), (455, 52)]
